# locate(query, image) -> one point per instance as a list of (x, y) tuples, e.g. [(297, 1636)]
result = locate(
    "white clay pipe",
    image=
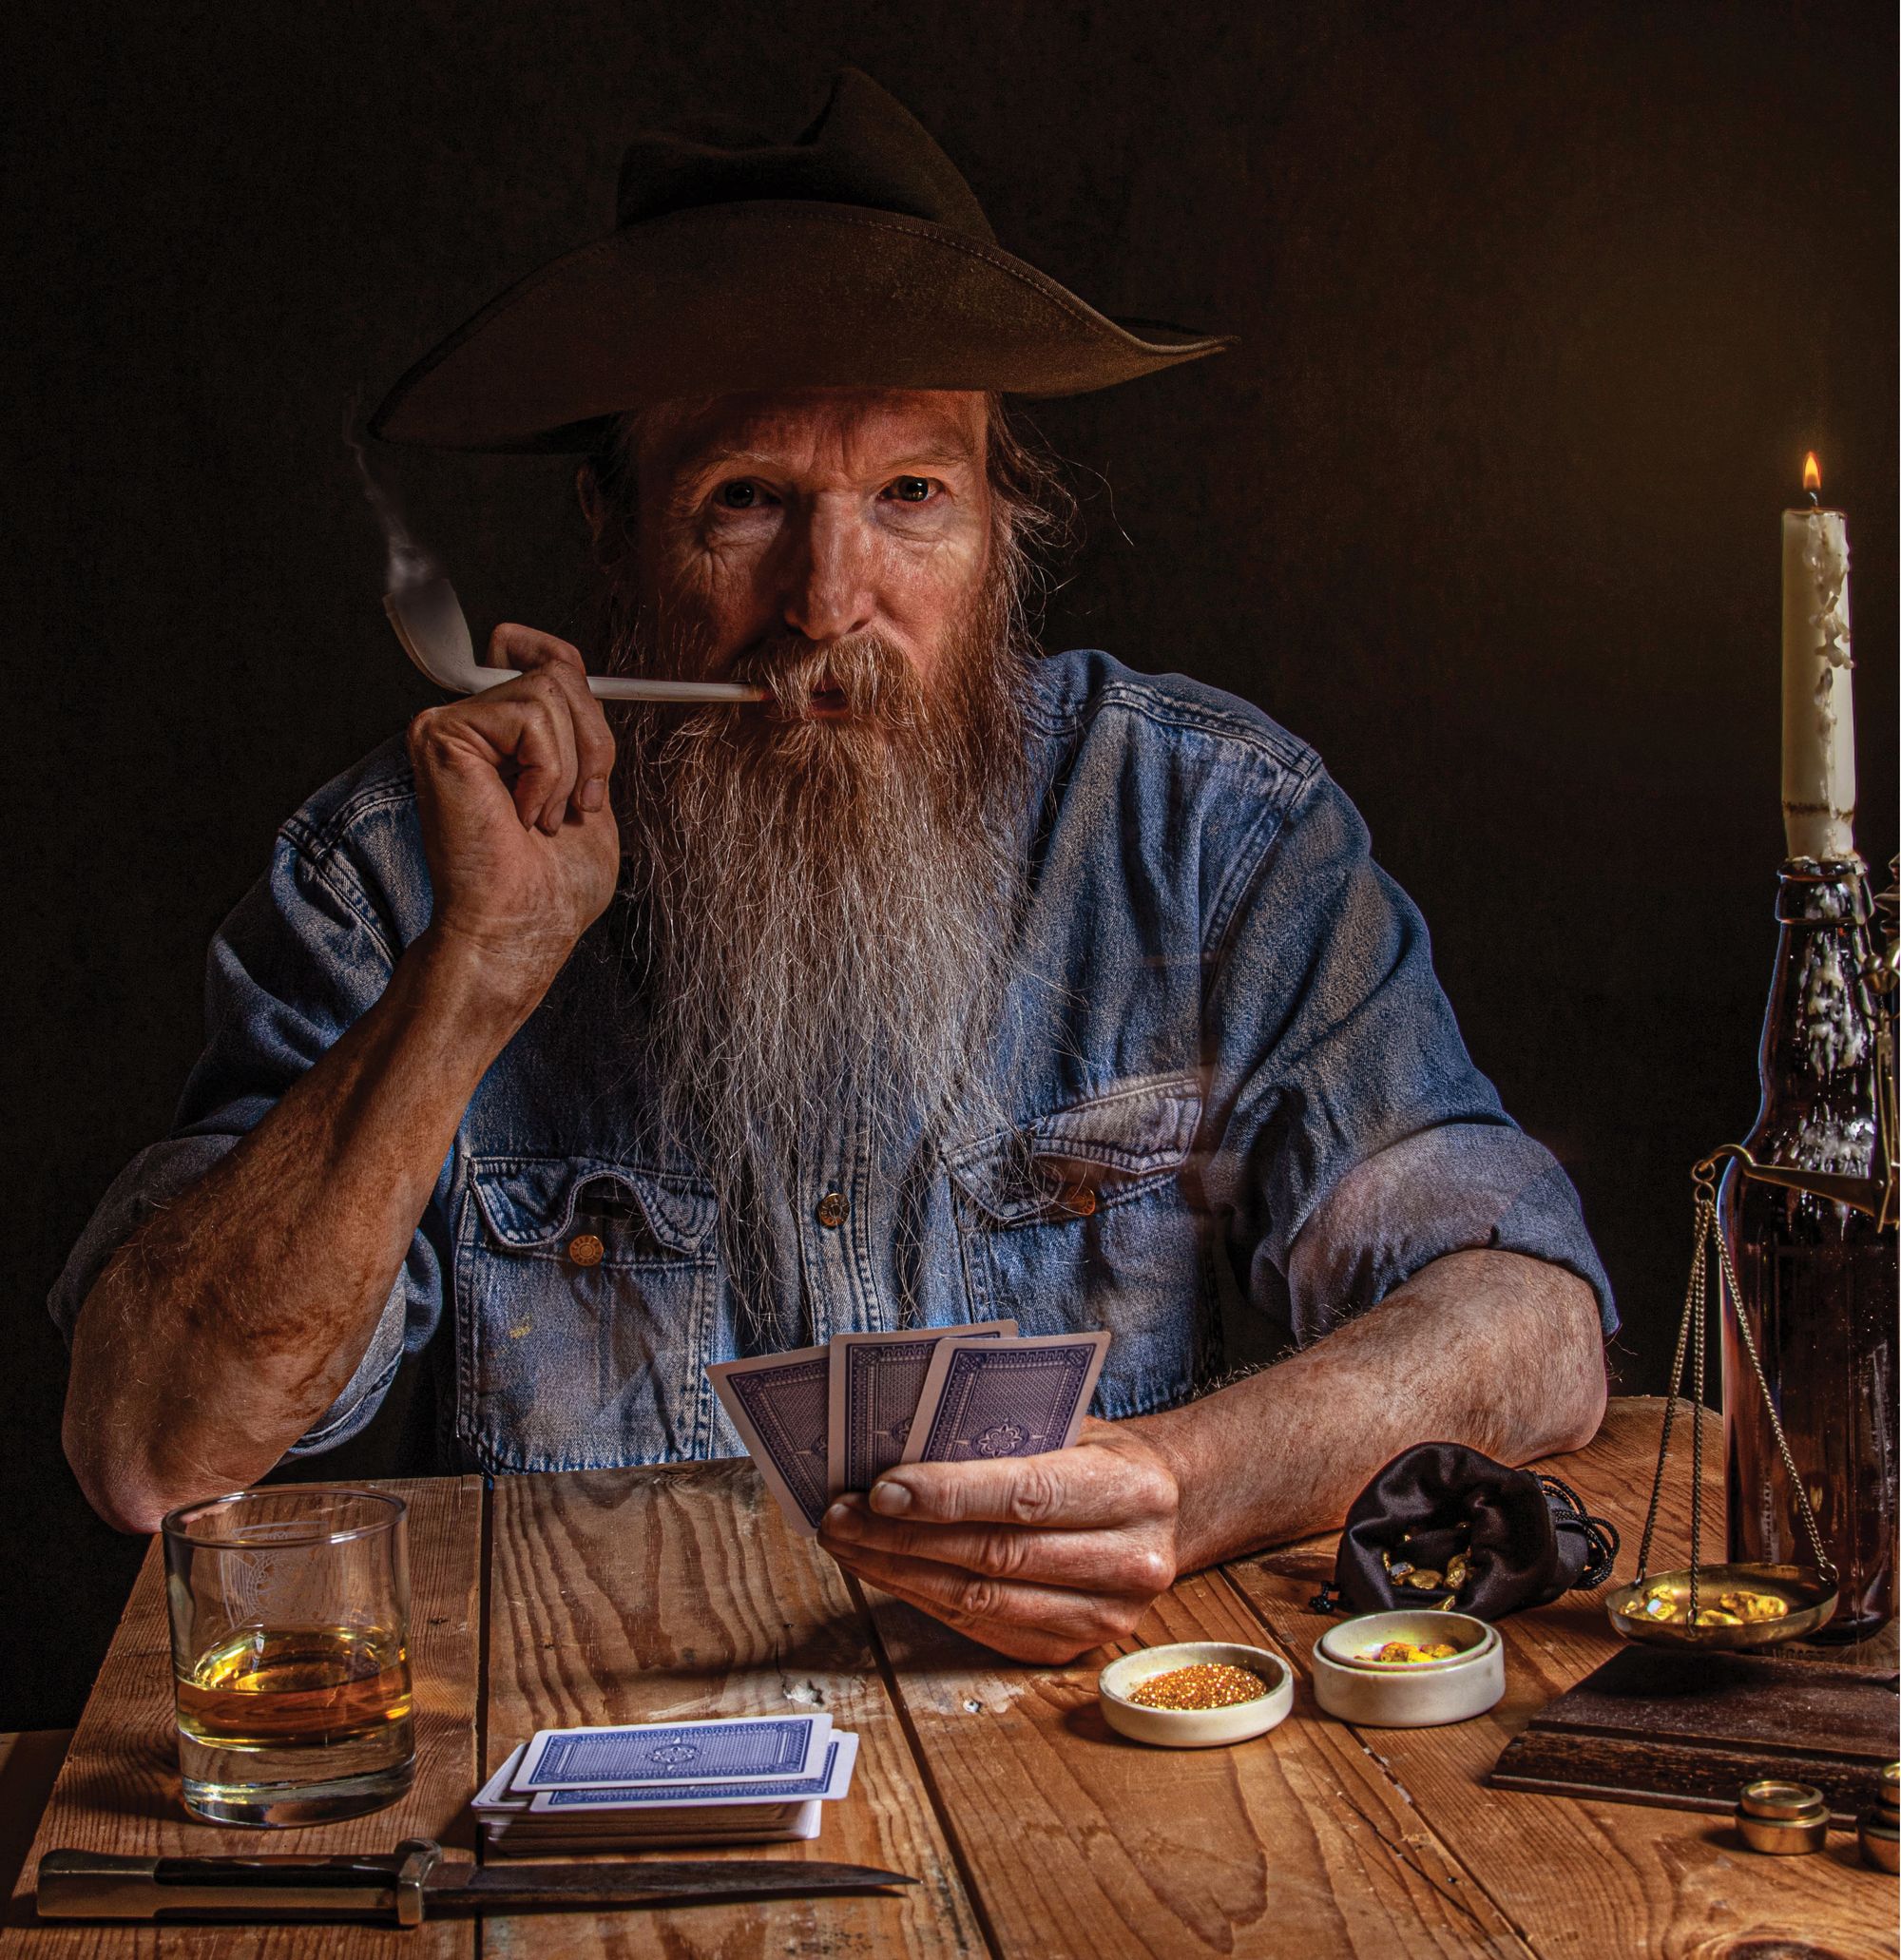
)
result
[(429, 620)]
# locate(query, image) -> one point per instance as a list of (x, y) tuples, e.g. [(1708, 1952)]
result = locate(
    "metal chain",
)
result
[(1699, 1341), (1692, 1333), (1823, 1562), (1697, 1268)]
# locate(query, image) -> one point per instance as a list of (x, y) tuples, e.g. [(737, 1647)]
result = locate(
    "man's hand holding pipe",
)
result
[(512, 787)]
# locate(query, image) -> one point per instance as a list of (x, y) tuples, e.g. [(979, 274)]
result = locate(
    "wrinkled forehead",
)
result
[(850, 435)]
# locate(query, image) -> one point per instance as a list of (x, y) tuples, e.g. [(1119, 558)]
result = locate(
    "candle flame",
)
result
[(1812, 472)]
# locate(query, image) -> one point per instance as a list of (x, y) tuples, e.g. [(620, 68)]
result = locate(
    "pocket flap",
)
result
[(530, 1201), (1109, 1145)]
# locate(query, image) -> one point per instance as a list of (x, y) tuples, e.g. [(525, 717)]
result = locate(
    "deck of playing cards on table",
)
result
[(822, 1421), (742, 1780)]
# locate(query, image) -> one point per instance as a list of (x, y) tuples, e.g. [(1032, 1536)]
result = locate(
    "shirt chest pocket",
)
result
[(1081, 1220), (585, 1291)]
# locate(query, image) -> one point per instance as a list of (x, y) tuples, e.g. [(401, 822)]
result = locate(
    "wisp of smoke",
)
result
[(406, 563)]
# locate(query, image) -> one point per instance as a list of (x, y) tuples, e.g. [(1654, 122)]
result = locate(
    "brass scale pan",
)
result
[(1811, 1603)]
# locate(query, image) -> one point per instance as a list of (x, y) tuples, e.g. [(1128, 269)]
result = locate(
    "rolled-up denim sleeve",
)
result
[(301, 956), (1357, 1142)]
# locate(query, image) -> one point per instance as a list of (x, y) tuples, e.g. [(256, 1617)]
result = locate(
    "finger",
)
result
[(1075, 1489), (524, 731), (505, 737), (1132, 1562), (593, 739), (998, 1610), (532, 651), (528, 648), (546, 779), (1017, 1643)]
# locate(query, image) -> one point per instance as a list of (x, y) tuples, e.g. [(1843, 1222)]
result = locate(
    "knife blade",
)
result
[(413, 1880)]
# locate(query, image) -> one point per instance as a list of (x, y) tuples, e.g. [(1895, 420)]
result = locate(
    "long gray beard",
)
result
[(830, 910)]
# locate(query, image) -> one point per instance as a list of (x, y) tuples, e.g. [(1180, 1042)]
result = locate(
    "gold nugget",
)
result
[(1754, 1606), (1424, 1578), (1739, 1609), (1207, 1685), (1406, 1651)]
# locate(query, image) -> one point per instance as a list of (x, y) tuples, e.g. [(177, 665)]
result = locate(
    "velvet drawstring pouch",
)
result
[(1445, 1525)]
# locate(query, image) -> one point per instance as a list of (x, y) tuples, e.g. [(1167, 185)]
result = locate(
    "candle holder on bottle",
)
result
[(1758, 1604)]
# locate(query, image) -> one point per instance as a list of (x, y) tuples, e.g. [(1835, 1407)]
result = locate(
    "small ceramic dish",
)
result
[(1194, 1728), (1409, 1694)]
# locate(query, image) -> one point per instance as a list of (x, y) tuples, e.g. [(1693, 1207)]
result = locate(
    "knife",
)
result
[(92, 1885)]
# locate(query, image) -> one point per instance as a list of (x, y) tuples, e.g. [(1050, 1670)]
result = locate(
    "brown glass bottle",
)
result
[(1818, 1277)]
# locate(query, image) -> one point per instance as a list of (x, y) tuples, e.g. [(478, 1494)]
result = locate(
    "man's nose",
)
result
[(828, 594)]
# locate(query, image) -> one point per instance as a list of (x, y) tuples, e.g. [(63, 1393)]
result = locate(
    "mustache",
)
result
[(863, 675)]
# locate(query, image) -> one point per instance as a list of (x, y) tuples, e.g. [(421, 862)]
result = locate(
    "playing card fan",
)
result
[(826, 1420)]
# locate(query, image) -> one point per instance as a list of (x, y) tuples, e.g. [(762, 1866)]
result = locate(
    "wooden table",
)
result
[(1036, 1833)]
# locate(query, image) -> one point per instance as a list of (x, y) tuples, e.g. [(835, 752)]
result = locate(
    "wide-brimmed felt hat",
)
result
[(852, 257)]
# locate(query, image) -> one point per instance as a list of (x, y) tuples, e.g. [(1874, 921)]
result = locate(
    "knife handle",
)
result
[(95, 1885)]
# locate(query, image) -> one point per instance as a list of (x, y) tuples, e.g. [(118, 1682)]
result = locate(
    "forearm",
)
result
[(1490, 1349), (230, 1321)]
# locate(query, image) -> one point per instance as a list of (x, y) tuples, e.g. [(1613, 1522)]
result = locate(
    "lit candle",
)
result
[(1817, 695)]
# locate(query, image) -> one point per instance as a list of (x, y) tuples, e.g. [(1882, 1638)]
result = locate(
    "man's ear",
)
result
[(593, 505), (606, 525)]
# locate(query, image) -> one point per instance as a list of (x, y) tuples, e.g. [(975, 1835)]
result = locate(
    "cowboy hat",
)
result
[(854, 257)]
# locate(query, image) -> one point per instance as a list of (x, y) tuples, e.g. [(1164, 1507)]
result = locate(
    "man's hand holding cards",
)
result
[(978, 1495), (819, 1422)]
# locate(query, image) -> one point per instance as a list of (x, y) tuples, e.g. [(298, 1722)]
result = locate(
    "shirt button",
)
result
[(1079, 1200), (585, 1249), (833, 1210)]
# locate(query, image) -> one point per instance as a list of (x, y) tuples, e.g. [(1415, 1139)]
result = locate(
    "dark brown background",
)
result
[(1540, 305)]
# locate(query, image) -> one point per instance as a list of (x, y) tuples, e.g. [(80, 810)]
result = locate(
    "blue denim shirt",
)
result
[(1228, 1032)]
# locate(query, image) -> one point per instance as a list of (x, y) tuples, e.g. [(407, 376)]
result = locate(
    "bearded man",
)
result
[(954, 981)]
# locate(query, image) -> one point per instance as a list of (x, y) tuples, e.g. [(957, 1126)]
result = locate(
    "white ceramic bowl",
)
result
[(1409, 1694), (1194, 1728)]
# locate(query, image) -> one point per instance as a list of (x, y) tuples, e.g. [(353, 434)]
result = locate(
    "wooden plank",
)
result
[(119, 1791), (630, 1595), (28, 1762), (1082, 1844), (1581, 1878)]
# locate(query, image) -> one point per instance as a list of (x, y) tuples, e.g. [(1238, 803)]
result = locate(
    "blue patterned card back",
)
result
[(877, 1380), (1006, 1398), (830, 1780), (677, 1752), (779, 1403)]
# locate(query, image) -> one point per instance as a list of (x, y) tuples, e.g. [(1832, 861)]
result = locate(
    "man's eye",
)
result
[(739, 497), (909, 489)]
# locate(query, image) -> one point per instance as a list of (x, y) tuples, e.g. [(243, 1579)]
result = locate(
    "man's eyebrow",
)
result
[(720, 456), (935, 450), (942, 452)]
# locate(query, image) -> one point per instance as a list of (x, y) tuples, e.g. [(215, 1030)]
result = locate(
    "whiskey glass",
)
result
[(289, 1612)]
